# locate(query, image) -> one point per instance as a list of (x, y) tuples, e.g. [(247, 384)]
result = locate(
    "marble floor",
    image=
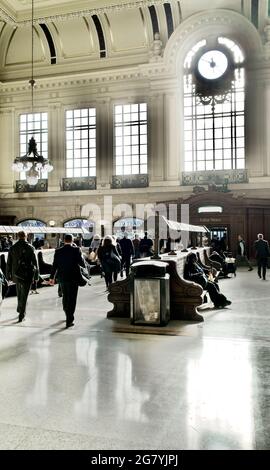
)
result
[(93, 387)]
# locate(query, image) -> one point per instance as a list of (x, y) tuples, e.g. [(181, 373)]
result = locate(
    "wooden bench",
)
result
[(185, 296), (209, 262)]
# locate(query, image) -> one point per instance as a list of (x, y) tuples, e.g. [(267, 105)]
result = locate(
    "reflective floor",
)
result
[(203, 386)]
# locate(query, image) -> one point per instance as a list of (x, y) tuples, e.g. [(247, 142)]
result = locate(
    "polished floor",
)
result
[(94, 387)]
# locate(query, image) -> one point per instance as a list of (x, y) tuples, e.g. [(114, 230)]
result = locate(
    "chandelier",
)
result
[(32, 163)]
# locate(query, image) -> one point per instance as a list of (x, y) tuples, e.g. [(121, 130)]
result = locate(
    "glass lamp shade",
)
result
[(32, 180), (47, 167), (16, 166)]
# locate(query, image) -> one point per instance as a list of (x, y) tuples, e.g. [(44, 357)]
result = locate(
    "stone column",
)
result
[(8, 149), (266, 129), (255, 128), (56, 145), (172, 139), (156, 139), (104, 143)]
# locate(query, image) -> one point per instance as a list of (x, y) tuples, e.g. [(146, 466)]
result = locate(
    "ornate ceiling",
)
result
[(85, 35), (19, 11)]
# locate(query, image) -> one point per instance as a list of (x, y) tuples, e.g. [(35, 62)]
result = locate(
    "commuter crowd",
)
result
[(112, 257)]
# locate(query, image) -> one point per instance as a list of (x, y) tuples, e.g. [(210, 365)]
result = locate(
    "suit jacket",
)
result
[(66, 263), (126, 247), (21, 249), (239, 252), (262, 249)]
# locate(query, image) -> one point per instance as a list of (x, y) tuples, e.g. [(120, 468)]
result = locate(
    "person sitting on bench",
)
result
[(220, 258), (194, 272)]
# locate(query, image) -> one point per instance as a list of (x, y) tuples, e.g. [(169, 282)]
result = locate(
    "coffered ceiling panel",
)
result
[(19, 49), (127, 30), (64, 34)]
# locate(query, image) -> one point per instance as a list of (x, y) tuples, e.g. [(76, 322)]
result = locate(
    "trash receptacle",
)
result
[(150, 293)]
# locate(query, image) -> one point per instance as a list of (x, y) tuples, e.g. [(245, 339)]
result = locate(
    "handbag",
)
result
[(83, 278), (114, 262), (92, 256)]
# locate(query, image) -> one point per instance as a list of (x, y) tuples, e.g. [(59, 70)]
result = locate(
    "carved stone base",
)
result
[(185, 297), (119, 295)]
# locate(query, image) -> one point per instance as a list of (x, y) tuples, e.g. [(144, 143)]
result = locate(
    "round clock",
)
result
[(212, 64)]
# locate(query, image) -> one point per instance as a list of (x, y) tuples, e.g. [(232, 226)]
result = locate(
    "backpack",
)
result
[(25, 271)]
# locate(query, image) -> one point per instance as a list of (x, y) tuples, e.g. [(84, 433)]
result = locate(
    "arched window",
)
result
[(31, 223), (131, 225), (88, 225), (214, 106), (35, 223)]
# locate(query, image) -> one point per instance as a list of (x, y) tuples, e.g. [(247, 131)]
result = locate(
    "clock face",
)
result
[(212, 64)]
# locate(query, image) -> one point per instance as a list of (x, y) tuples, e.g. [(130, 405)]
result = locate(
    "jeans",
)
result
[(22, 289)]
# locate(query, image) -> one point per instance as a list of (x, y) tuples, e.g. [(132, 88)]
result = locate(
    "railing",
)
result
[(78, 184), (21, 186)]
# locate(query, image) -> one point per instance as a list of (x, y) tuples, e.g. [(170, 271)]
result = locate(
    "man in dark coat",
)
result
[(127, 249), (67, 260), (21, 269), (261, 247)]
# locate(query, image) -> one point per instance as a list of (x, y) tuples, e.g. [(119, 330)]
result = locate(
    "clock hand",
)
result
[(212, 63), (205, 60)]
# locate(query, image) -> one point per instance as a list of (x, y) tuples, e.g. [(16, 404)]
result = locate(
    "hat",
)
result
[(97, 237)]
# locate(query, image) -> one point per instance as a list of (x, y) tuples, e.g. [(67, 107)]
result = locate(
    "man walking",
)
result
[(67, 260), (127, 251), (262, 252), (21, 268), (242, 252)]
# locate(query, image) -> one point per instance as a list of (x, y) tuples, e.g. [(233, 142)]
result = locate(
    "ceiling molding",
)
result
[(8, 17), (137, 73)]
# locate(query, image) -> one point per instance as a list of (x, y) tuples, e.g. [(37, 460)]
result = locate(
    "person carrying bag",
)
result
[(21, 269), (69, 267), (109, 259)]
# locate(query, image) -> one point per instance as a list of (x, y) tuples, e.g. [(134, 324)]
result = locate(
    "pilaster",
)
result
[(156, 138), (7, 149), (56, 144)]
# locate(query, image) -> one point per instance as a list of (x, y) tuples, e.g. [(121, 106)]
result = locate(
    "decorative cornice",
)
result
[(80, 80), (79, 13)]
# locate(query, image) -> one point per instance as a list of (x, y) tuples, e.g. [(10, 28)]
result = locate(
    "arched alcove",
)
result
[(86, 224), (131, 225), (216, 22)]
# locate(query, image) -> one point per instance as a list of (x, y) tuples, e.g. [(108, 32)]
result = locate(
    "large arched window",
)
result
[(88, 225), (214, 106), (131, 225), (34, 223)]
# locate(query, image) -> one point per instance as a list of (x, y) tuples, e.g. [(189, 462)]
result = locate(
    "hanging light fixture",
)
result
[(32, 163)]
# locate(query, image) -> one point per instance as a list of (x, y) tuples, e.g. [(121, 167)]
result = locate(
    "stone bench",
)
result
[(185, 296)]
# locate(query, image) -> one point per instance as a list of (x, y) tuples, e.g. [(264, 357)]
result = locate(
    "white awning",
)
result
[(180, 226), (8, 229)]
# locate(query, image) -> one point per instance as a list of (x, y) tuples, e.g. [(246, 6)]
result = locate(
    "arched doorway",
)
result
[(37, 239), (131, 225), (89, 226)]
